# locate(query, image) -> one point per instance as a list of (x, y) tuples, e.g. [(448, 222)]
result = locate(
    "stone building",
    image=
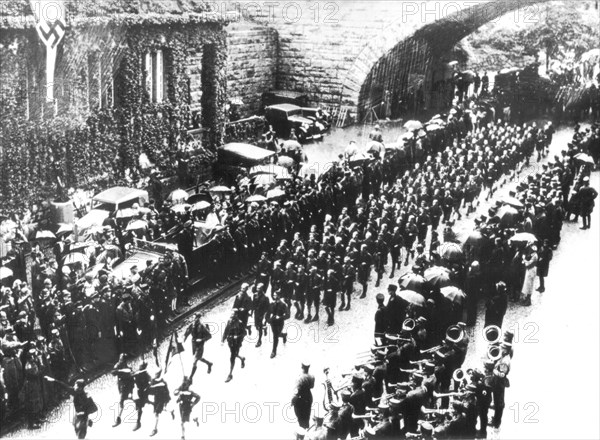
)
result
[(130, 78)]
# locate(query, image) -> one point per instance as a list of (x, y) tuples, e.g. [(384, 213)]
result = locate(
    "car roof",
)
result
[(247, 151), (119, 194), (285, 107)]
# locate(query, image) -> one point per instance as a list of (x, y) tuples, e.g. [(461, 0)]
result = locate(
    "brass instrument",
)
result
[(435, 411), (492, 334), (432, 349), (451, 394), (455, 334), (409, 325), (459, 375), (329, 391), (494, 353)]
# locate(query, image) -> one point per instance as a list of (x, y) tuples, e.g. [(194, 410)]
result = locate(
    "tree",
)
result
[(561, 29)]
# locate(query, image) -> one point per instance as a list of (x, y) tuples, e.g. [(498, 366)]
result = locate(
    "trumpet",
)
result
[(451, 394), (492, 334), (435, 411), (432, 349)]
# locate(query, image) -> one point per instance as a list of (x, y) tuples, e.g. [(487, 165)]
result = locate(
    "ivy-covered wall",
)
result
[(94, 135)]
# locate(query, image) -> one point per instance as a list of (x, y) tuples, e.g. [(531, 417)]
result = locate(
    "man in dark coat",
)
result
[(586, 197), (303, 399)]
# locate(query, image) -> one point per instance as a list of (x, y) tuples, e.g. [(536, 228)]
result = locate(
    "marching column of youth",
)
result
[(438, 374), (353, 233)]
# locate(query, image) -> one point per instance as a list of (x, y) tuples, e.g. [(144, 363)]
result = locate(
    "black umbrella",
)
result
[(412, 281), (438, 276)]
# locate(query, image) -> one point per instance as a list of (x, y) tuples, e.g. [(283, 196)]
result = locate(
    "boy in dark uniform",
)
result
[(186, 399), (234, 333), (200, 334), (125, 384)]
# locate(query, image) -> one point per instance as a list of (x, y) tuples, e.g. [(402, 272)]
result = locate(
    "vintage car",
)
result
[(118, 198), (285, 117), (320, 116), (275, 97), (234, 158)]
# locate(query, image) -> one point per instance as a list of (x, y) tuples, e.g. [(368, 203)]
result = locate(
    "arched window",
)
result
[(154, 66)]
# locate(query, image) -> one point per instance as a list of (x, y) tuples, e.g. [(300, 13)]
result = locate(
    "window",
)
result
[(154, 67)]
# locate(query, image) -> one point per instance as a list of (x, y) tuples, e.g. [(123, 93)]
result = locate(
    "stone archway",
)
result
[(439, 34)]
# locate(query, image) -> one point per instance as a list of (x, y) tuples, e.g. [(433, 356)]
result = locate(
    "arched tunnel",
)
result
[(413, 73)]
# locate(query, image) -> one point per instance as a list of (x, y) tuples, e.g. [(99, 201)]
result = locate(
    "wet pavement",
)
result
[(554, 376)]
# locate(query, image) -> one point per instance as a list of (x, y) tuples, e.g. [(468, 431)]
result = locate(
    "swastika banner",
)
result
[(50, 17)]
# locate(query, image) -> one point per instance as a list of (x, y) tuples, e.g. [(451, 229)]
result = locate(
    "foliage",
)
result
[(557, 28), (95, 148)]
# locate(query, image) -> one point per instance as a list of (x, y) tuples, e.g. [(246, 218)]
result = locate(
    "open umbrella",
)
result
[(523, 237), (180, 208), (291, 144), (41, 235), (412, 297), (468, 75), (264, 179), (64, 229), (475, 239), (433, 127), (275, 193), (5, 272), (199, 206), (286, 162), (412, 281), (508, 216), (220, 189), (451, 252), (453, 294), (256, 198), (81, 246), (375, 147), (584, 158), (512, 201), (413, 125), (75, 258), (438, 276), (92, 230), (178, 196), (136, 225)]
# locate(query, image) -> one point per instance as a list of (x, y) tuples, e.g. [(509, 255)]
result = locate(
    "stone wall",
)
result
[(327, 49), (251, 65)]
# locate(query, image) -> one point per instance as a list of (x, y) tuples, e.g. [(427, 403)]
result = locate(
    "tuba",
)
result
[(494, 353), (409, 325), (455, 334), (492, 334), (459, 375)]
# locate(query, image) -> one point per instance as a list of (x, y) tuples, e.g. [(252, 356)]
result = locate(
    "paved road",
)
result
[(557, 341)]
